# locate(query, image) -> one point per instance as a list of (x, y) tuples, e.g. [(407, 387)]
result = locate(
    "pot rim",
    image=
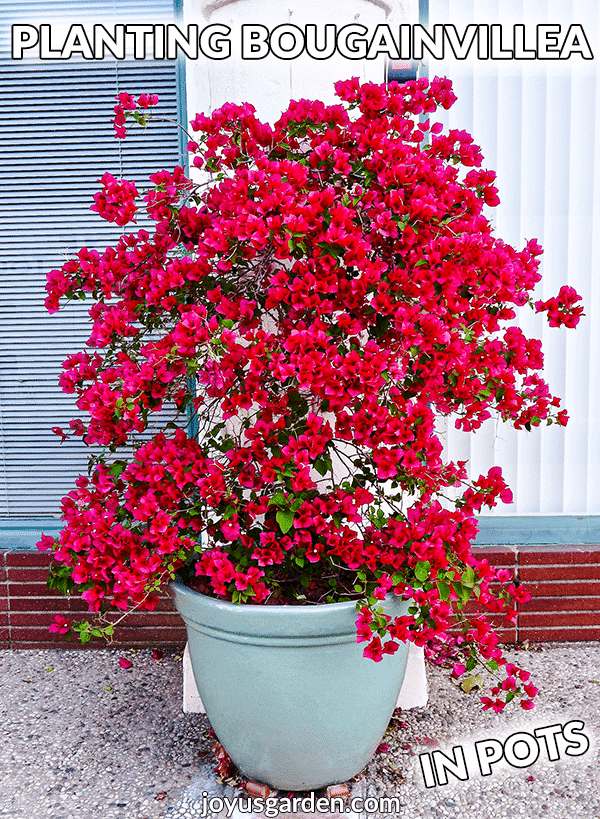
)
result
[(344, 604), (273, 621)]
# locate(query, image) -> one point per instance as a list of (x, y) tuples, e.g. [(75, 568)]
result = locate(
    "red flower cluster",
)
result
[(309, 314), (562, 309), (127, 105), (116, 202)]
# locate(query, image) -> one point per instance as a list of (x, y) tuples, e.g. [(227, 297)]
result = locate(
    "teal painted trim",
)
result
[(560, 530), (182, 112), (182, 119), (30, 523), (22, 534), (192, 415), (424, 21)]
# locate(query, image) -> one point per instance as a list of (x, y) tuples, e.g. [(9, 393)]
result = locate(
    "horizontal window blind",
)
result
[(538, 123), (56, 141)]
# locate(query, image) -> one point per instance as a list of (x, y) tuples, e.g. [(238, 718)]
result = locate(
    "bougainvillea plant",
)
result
[(268, 362)]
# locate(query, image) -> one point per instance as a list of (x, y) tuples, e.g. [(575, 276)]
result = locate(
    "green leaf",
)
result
[(59, 578), (382, 324), (444, 590), (322, 465), (117, 468), (422, 570), (333, 250), (229, 512), (468, 577), (462, 591), (285, 519)]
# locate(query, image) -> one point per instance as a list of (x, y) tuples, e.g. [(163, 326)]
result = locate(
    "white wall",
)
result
[(271, 82), (538, 124)]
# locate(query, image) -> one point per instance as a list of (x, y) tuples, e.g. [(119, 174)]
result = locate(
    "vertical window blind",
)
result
[(56, 140), (538, 123)]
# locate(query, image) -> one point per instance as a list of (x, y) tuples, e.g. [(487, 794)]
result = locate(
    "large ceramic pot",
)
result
[(286, 688)]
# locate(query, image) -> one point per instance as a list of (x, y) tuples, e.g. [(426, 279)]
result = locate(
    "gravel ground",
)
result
[(84, 738)]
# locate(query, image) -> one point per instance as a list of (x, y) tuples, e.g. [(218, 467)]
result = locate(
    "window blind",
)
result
[(538, 123), (56, 140)]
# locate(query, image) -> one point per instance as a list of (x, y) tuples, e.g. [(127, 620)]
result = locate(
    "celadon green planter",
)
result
[(286, 688)]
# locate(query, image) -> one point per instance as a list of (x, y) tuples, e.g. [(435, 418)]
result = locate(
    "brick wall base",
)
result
[(564, 583), (28, 607)]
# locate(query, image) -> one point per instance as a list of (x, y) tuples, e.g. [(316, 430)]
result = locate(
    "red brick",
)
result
[(35, 582), (31, 618), (23, 574), (552, 604), (550, 555), (57, 604), (151, 620), (39, 634), (496, 555), (2, 575), (27, 559), (568, 635), (586, 572), (4, 636), (3, 604), (497, 587), (507, 635), (23, 637), (165, 604), (564, 588), (34, 590), (570, 618)]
